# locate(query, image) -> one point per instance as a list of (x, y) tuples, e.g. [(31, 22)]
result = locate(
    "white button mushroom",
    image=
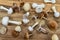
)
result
[(38, 9), (31, 28), (6, 20), (18, 28), (34, 5), (3, 30), (25, 20), (56, 14), (26, 15), (51, 1), (55, 37), (26, 7), (9, 11), (42, 5)]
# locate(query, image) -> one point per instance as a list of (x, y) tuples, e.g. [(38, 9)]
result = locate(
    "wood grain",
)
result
[(18, 17)]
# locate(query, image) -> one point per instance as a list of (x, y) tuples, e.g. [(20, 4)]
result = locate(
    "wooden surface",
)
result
[(18, 17)]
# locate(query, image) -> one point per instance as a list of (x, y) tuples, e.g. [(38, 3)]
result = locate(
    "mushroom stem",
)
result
[(35, 24), (54, 9), (14, 22), (52, 1), (2, 7), (40, 29), (45, 18)]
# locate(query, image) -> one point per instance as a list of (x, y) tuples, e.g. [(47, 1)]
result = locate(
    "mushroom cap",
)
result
[(34, 5), (10, 11), (27, 14), (56, 14), (30, 28), (43, 5), (18, 28), (26, 7), (53, 1), (46, 0), (5, 21), (55, 37), (25, 21), (38, 9), (3, 30)]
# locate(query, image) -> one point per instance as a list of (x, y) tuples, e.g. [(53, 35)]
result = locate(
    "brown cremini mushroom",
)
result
[(15, 33), (27, 35), (51, 23), (15, 8)]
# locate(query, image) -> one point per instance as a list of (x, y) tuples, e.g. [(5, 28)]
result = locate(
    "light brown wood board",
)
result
[(18, 17)]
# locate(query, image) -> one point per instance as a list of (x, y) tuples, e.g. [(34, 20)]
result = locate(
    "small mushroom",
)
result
[(56, 14), (34, 5), (50, 1), (26, 7), (25, 19), (9, 11), (18, 29), (39, 8), (55, 37), (51, 23), (31, 28), (6, 20), (15, 33), (21, 4), (16, 8), (40, 29), (27, 36), (3, 30)]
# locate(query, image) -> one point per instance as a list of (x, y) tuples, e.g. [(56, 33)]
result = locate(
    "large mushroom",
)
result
[(51, 23)]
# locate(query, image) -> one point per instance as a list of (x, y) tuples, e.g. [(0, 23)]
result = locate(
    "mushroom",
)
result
[(15, 8), (15, 33), (26, 7), (3, 30), (55, 37), (39, 8), (27, 36), (51, 23), (21, 4), (18, 29), (9, 11), (40, 29), (50, 1), (6, 20), (56, 14), (25, 19), (31, 28), (34, 5)]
